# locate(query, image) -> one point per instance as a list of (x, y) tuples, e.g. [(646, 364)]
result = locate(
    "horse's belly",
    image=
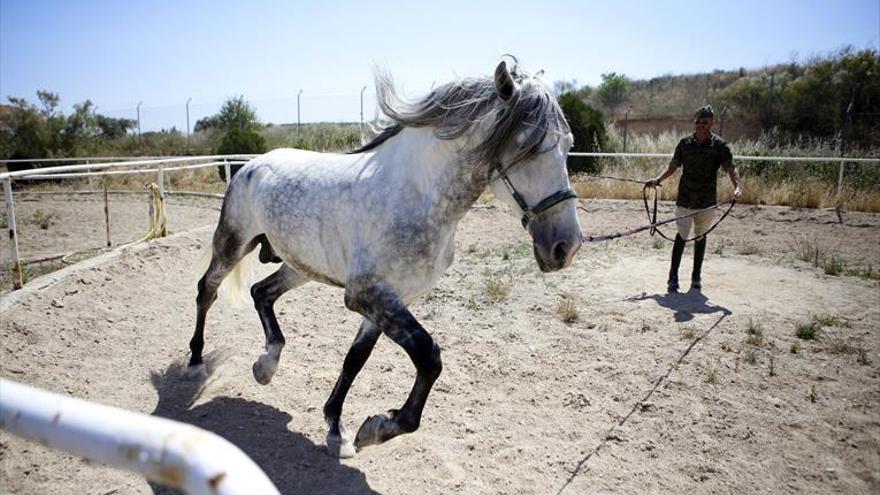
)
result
[(413, 278)]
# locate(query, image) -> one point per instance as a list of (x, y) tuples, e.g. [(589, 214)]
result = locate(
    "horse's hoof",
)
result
[(340, 446), (264, 369), (375, 430), (197, 373)]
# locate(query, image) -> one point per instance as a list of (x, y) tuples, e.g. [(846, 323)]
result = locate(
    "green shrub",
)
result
[(239, 142), (588, 128), (808, 331)]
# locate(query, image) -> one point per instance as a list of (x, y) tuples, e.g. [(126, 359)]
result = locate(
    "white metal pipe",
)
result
[(106, 210), (74, 168), (174, 454), (874, 161), (13, 234), (161, 179), (118, 191), (87, 159), (228, 169), (76, 175)]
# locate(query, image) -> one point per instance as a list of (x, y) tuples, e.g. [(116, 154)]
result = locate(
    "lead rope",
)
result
[(652, 215)]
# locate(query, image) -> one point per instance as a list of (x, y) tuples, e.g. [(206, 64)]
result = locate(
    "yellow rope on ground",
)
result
[(157, 213)]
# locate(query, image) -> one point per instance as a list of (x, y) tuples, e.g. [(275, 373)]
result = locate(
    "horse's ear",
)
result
[(504, 84)]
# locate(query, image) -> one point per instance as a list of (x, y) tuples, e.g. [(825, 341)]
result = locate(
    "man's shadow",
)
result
[(289, 459), (684, 304)]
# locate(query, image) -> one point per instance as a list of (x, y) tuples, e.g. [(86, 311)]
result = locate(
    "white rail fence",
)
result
[(173, 454), (98, 167), (113, 166)]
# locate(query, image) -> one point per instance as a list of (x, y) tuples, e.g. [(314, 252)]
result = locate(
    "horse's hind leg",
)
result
[(265, 293), (338, 441), (227, 252), (208, 285)]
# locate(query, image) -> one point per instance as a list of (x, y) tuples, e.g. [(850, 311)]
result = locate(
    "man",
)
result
[(699, 155)]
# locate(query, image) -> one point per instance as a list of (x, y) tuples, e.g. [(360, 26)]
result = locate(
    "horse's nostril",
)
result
[(559, 252)]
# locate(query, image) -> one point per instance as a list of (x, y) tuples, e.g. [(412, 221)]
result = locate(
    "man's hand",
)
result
[(655, 182), (737, 193)]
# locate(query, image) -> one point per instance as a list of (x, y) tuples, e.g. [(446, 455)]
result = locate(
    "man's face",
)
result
[(703, 126)]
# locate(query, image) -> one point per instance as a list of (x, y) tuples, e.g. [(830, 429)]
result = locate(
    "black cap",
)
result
[(705, 112)]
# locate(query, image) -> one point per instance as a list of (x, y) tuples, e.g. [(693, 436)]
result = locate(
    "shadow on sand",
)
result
[(684, 304), (293, 462)]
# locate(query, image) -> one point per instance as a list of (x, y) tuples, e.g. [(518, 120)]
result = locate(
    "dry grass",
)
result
[(497, 287), (566, 308), (755, 333)]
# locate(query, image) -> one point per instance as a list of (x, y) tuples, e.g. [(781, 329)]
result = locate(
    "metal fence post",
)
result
[(362, 111), (298, 122), (187, 118), (13, 237), (161, 180), (91, 185), (138, 108), (626, 126), (228, 170), (106, 210), (846, 121)]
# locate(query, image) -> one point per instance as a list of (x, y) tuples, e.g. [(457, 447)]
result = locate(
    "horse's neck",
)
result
[(436, 168)]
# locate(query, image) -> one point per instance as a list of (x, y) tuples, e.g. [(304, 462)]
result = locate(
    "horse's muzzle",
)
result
[(558, 257)]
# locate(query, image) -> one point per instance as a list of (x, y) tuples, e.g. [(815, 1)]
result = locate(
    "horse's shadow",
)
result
[(684, 304), (293, 462)]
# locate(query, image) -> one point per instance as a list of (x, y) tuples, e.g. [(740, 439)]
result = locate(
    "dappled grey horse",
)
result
[(380, 221)]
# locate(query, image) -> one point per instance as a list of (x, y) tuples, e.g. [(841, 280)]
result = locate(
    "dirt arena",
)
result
[(640, 392)]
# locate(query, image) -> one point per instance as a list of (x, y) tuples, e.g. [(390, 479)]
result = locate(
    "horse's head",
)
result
[(529, 171)]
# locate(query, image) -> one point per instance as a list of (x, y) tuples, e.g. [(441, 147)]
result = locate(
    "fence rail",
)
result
[(753, 158), (174, 454)]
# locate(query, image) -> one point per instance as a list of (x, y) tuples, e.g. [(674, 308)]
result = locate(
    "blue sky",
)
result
[(118, 53)]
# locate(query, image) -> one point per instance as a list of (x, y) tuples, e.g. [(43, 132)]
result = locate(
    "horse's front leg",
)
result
[(339, 443), (379, 304)]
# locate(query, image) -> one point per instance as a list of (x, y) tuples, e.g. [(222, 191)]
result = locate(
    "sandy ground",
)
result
[(644, 392)]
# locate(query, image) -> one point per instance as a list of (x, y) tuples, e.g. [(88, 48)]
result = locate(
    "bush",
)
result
[(237, 141), (588, 127)]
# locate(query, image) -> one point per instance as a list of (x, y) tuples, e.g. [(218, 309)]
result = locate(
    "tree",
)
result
[(81, 128), (613, 91), (112, 128), (24, 134), (237, 114), (236, 142), (207, 123), (587, 127), (562, 87), (239, 124)]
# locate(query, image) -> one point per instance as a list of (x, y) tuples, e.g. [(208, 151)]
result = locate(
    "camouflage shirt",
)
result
[(699, 164)]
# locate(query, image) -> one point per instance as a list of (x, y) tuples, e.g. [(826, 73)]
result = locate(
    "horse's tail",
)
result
[(234, 289)]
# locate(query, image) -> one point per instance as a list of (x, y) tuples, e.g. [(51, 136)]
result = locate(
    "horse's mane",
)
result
[(453, 108)]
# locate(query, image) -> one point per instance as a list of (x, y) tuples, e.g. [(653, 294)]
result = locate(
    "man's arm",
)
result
[(734, 179), (666, 173)]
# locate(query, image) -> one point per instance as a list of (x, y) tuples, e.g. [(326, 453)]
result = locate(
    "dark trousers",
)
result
[(678, 250)]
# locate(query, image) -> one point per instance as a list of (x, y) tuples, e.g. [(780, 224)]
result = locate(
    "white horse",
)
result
[(380, 221)]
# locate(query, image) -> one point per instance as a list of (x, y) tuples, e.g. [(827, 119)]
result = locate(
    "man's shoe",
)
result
[(672, 285), (696, 285)]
